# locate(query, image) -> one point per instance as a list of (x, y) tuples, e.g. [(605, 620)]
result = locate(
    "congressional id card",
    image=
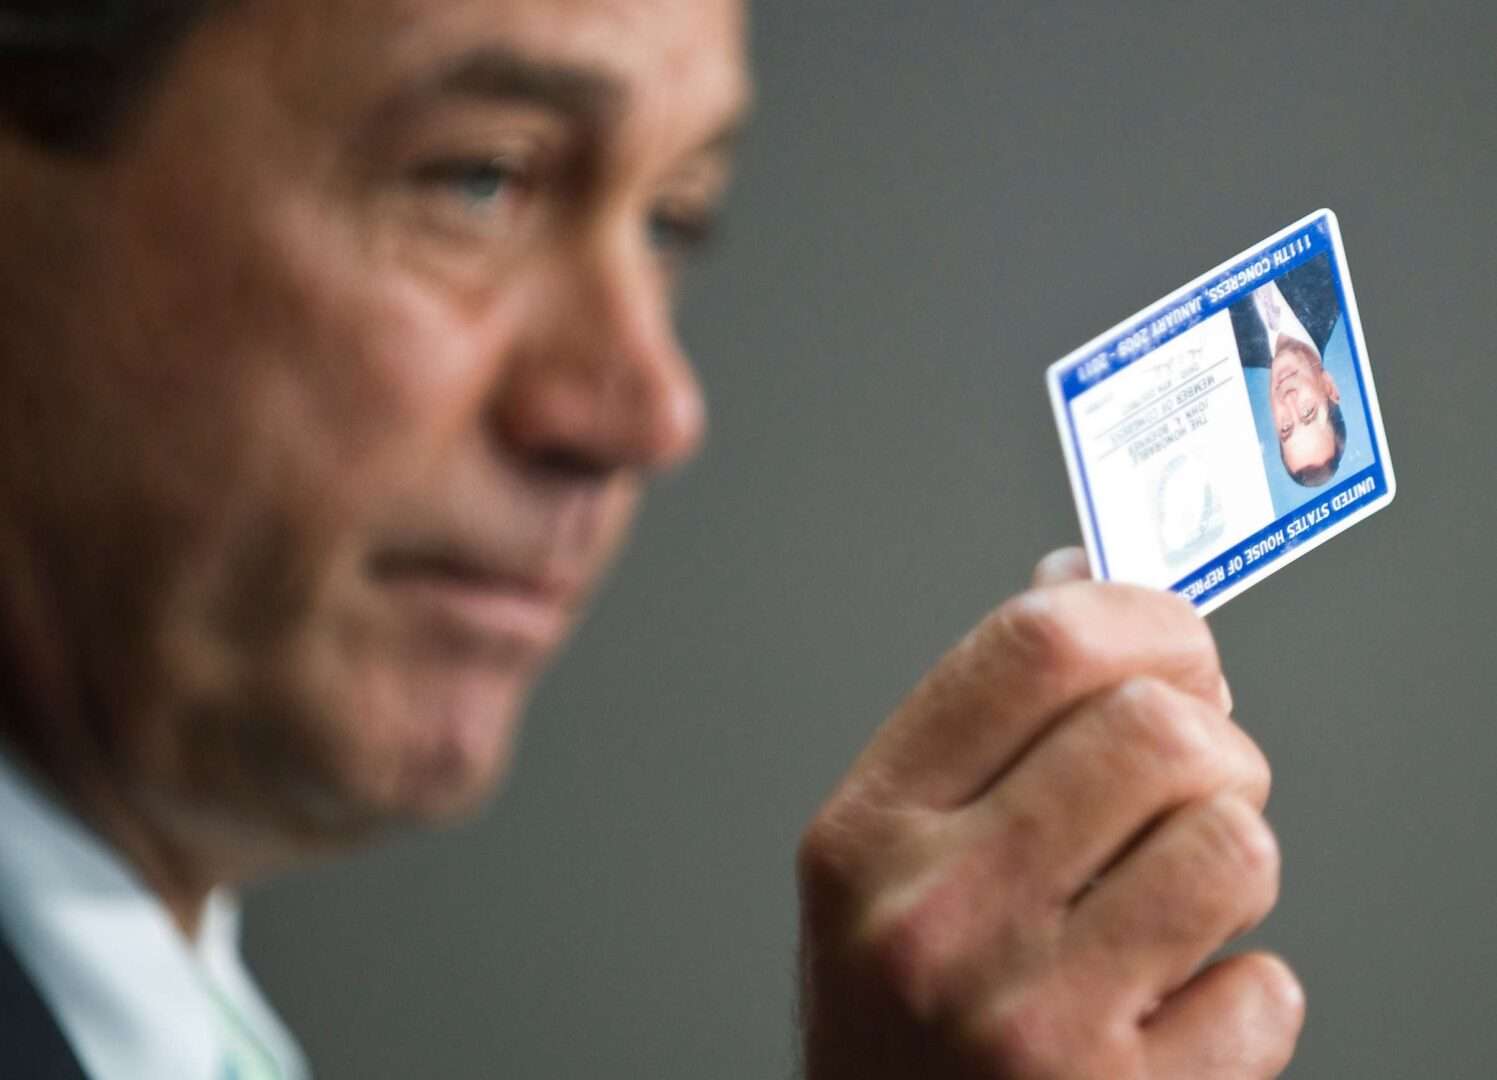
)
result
[(1229, 428)]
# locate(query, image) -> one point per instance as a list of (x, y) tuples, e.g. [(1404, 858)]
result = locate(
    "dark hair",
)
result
[(72, 70), (1319, 475)]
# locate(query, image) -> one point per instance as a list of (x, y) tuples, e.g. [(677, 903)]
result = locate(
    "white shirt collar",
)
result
[(131, 993)]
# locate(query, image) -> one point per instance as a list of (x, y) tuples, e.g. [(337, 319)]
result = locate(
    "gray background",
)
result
[(939, 199)]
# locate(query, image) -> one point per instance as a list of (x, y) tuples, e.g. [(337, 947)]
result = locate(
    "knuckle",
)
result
[(1245, 851), (1171, 616), (1033, 1038), (1191, 635), (1152, 728), (1244, 838), (1021, 1039), (857, 841), (1280, 993), (1162, 723), (910, 952), (1269, 1012), (1192, 627), (1258, 773), (1037, 630), (1222, 875), (824, 858)]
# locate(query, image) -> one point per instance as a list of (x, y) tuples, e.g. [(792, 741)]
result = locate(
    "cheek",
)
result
[(350, 385), (381, 373), (272, 401)]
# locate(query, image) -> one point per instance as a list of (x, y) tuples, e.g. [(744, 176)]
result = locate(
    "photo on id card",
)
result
[(1229, 428)]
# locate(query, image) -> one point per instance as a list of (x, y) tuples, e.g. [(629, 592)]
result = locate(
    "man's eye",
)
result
[(1308, 415), (678, 235), (480, 183)]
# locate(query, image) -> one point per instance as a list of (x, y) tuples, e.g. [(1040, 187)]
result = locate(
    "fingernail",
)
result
[(1059, 567)]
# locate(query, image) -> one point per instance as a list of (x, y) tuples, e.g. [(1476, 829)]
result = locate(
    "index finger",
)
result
[(1029, 663)]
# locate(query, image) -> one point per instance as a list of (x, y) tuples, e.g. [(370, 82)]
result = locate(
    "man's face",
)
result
[(329, 395), (1303, 392)]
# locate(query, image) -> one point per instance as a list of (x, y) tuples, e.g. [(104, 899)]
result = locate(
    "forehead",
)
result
[(687, 52)]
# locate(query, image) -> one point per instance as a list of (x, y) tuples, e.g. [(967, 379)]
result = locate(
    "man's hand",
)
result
[(1024, 873)]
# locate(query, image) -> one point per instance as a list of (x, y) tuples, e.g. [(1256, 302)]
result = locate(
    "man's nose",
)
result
[(600, 381)]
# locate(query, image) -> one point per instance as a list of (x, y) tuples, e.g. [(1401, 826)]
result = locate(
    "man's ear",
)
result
[(1330, 386)]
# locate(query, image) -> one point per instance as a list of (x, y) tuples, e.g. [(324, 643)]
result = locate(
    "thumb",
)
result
[(1059, 567)]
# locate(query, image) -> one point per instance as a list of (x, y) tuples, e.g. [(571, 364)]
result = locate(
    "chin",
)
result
[(465, 764), (397, 753), (455, 749), (372, 723)]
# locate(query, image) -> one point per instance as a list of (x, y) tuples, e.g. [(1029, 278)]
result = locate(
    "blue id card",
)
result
[(1229, 428)]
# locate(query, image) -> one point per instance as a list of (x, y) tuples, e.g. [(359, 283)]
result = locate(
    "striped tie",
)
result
[(244, 1057)]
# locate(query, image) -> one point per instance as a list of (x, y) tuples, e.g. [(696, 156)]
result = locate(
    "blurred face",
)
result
[(326, 399), (1302, 393)]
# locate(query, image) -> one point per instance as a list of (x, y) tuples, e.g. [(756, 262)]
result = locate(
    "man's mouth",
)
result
[(481, 596)]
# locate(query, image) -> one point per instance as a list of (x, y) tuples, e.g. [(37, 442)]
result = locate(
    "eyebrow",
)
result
[(494, 73), (587, 94)]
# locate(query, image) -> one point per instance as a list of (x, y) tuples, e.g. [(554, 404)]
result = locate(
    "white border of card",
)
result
[(1226, 430)]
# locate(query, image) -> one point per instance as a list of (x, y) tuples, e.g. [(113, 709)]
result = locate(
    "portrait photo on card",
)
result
[(1302, 382)]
